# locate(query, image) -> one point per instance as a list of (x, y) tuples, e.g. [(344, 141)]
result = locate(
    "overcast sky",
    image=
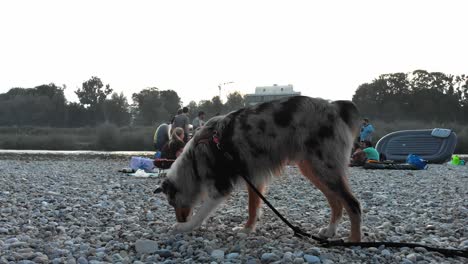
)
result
[(324, 48)]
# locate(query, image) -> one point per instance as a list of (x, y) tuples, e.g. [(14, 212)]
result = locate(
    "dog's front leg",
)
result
[(195, 221), (255, 210)]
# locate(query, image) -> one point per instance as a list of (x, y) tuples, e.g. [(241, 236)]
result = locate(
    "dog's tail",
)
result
[(349, 113)]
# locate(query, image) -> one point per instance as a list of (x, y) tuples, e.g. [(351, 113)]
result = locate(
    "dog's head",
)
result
[(175, 197), (185, 179), (181, 186)]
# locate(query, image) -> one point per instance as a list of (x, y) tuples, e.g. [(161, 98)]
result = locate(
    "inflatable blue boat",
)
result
[(434, 145)]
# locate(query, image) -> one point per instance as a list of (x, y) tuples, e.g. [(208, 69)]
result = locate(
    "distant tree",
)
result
[(217, 105), (421, 95), (92, 96), (146, 104), (193, 106), (93, 92), (151, 106), (461, 92), (171, 101), (117, 110), (56, 103), (44, 105), (369, 97), (234, 101), (207, 107), (77, 115)]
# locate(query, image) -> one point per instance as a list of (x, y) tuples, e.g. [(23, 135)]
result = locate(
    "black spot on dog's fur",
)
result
[(272, 135), (255, 149), (319, 154), (284, 115), (330, 118), (311, 142), (243, 120), (325, 131), (262, 125)]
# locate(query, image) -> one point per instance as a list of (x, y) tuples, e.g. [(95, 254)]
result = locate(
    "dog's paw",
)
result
[(243, 229), (259, 214), (181, 228), (326, 232)]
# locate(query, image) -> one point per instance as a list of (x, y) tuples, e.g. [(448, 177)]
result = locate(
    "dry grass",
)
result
[(104, 137), (110, 137)]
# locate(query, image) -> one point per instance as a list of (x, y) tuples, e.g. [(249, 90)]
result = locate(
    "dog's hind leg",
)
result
[(335, 204), (205, 210), (338, 195), (352, 206)]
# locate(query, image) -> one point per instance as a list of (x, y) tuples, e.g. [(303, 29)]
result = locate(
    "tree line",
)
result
[(46, 105), (418, 95)]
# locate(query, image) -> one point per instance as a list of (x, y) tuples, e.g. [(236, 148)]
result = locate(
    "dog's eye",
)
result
[(171, 202), (159, 189)]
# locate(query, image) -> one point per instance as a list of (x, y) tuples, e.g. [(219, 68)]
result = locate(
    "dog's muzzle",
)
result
[(182, 214)]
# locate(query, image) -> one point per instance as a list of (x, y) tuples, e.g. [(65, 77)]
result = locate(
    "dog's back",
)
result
[(296, 128)]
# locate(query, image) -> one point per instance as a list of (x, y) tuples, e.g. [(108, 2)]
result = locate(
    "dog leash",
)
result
[(330, 243)]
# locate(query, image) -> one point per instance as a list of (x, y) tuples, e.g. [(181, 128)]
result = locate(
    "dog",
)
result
[(257, 141)]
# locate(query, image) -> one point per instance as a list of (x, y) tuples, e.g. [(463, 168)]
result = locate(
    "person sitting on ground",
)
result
[(358, 157), (161, 136), (363, 152), (182, 121), (175, 146), (371, 152)]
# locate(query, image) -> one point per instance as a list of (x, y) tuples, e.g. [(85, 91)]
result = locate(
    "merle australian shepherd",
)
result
[(256, 142)]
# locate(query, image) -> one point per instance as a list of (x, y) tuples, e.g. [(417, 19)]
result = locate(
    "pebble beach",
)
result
[(80, 209)]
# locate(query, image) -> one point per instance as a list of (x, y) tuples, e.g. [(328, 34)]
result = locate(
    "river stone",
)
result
[(311, 258), (145, 246)]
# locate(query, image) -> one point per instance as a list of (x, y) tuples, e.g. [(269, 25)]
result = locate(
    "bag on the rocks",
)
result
[(145, 164), (416, 161)]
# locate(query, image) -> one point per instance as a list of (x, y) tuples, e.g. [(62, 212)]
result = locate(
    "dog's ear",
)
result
[(167, 187), (163, 188)]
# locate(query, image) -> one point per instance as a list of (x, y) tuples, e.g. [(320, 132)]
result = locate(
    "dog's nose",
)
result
[(182, 214)]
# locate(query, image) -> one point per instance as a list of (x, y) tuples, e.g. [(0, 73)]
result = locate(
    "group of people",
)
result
[(363, 150), (170, 139)]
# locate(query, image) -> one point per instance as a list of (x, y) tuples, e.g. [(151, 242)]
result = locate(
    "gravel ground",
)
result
[(79, 209)]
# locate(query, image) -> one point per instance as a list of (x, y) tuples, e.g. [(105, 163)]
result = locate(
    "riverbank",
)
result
[(78, 208)]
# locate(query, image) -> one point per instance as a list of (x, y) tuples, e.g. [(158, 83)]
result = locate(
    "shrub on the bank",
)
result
[(43, 142), (462, 145), (108, 136)]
